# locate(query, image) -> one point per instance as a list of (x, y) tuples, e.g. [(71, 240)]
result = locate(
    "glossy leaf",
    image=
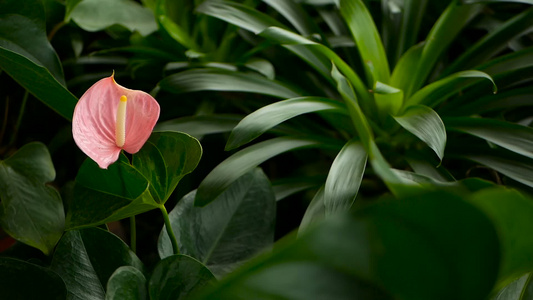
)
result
[(511, 214), (31, 211), (223, 80), (520, 170), (436, 250), (315, 212), (27, 56), (494, 42), (344, 178), (96, 15), (165, 159), (223, 175), (271, 115), (127, 283), (235, 226), (296, 15), (520, 289), (438, 91), (445, 30), (102, 196), (16, 275), (388, 99), (514, 137), (198, 126), (178, 277), (367, 38), (425, 124), (510, 62), (401, 76), (86, 259), (489, 1)]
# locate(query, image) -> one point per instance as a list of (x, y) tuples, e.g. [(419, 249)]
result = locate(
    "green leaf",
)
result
[(513, 98), (511, 215), (494, 42), (200, 125), (344, 178), (520, 289), (296, 42), (31, 211), (315, 212), (126, 283), (27, 56), (102, 196), (86, 259), (296, 15), (496, 1), (402, 74), (440, 90), (367, 38), (510, 62), (178, 277), (388, 99), (238, 14), (223, 80), (260, 121), (445, 30), (425, 124), (428, 240), (69, 6), (514, 137), (22, 280), (520, 170), (178, 31), (96, 15), (235, 226), (286, 187), (223, 175), (165, 159)]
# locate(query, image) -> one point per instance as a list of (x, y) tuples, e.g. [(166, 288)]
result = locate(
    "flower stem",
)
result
[(170, 232), (133, 235)]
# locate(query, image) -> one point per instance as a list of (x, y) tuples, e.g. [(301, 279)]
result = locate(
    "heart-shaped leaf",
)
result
[(31, 211), (165, 159), (127, 283), (177, 277), (87, 258), (232, 228)]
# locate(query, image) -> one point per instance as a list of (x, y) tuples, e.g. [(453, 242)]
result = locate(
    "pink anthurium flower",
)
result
[(109, 118)]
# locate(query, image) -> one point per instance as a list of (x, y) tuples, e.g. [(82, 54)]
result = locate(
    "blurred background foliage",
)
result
[(393, 140)]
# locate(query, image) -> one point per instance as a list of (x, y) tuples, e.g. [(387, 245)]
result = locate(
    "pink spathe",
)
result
[(94, 123)]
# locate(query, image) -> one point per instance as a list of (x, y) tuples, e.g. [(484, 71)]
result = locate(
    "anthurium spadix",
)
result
[(109, 118)]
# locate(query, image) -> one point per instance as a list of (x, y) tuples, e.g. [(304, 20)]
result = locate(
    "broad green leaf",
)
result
[(198, 126), (520, 170), (69, 7), (178, 277), (344, 178), (286, 187), (509, 62), (514, 137), (86, 259), (445, 30), (494, 42), (430, 241), (271, 115), (424, 164), (23, 31), (511, 215), (165, 159), (290, 39), (367, 38), (223, 175), (296, 15), (389, 100), (238, 14), (27, 56), (223, 80), (102, 196), (96, 15), (440, 90), (315, 212), (127, 283), (520, 289), (235, 226), (31, 211), (23, 280), (425, 124)]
